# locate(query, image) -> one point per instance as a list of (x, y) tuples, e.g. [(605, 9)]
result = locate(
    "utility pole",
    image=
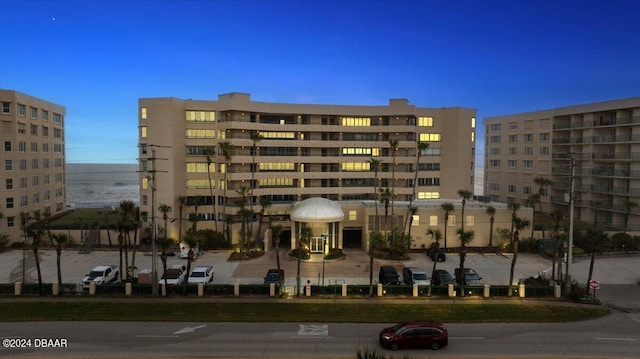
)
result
[(570, 237), (154, 228)]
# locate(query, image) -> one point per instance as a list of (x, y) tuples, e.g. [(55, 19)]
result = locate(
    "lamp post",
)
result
[(570, 239), (324, 248), (24, 256)]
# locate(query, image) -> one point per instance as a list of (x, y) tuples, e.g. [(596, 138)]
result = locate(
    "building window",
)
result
[(34, 164), (426, 121), (145, 200), (23, 165), (57, 133), (45, 147), (494, 139), (34, 146), (57, 118), (430, 137), (200, 116), (143, 113), (11, 221), (428, 195), (470, 221), (200, 167), (23, 182), (494, 186), (511, 163), (8, 165), (494, 163), (34, 130), (494, 151), (7, 146), (452, 220), (512, 188), (526, 190), (544, 151), (473, 122), (356, 121), (513, 138), (22, 110), (145, 183), (431, 151), (143, 131), (353, 215), (8, 183), (416, 220), (544, 137), (528, 151), (45, 131), (496, 127), (513, 151), (277, 166), (45, 115), (433, 221), (355, 166), (34, 112), (513, 126), (527, 164), (22, 128), (200, 133), (6, 108), (9, 202), (528, 137)]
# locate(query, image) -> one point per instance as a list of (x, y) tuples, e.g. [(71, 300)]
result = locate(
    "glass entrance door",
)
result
[(316, 244)]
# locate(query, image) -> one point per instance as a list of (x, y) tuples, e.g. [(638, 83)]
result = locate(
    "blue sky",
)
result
[(97, 58)]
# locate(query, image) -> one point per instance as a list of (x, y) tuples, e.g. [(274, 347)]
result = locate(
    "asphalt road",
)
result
[(614, 336)]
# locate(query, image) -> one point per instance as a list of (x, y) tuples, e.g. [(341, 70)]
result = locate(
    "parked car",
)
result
[(438, 255), (101, 275), (388, 275), (414, 335), (415, 275), (201, 274), (274, 276), (470, 277), (442, 278), (175, 275)]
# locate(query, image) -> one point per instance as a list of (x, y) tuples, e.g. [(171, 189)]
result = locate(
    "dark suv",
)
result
[(388, 275), (470, 277), (274, 276)]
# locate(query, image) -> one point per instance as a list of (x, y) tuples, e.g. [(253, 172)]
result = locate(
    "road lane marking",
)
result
[(156, 336), (466, 338), (618, 339), (189, 330)]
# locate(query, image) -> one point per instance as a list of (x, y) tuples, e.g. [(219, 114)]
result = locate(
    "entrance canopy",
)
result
[(317, 210)]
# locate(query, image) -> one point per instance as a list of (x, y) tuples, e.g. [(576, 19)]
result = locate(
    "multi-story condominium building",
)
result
[(598, 142), (33, 160), (236, 152)]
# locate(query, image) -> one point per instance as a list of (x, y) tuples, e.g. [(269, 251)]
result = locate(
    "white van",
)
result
[(184, 251)]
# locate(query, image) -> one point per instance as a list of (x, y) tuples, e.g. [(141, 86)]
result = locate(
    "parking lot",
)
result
[(353, 268)]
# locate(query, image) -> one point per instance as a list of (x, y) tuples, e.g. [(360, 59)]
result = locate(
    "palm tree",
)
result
[(255, 138), (514, 207), (136, 226), (265, 202), (35, 231), (394, 149), (628, 205), (595, 238), (225, 149), (412, 212), (374, 165), (164, 243), (466, 195), (276, 232), (437, 236), (165, 210), (209, 151), (557, 216), (532, 200), (197, 201), (127, 213), (192, 240), (421, 147), (542, 184), (182, 203), (385, 197), (305, 235), (491, 210), (59, 240), (519, 225), (448, 208), (245, 214), (465, 238), (106, 222), (376, 240)]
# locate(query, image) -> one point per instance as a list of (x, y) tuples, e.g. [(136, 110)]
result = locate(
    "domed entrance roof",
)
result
[(317, 210)]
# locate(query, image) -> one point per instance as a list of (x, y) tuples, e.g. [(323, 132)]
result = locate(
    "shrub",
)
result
[(529, 245), (334, 253), (213, 240), (304, 255)]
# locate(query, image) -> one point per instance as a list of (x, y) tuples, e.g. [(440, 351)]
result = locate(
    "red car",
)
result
[(412, 335)]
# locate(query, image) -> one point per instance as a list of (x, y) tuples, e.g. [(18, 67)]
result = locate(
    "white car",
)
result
[(201, 274), (175, 275)]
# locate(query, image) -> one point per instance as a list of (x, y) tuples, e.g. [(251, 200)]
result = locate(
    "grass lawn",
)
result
[(292, 312)]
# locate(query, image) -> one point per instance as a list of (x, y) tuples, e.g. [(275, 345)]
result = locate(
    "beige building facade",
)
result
[(33, 159), (599, 143), (231, 150)]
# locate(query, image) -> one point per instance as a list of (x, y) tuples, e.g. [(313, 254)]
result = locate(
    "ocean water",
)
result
[(97, 185)]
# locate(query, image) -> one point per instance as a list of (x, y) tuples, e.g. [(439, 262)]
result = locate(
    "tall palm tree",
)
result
[(165, 209), (412, 212), (393, 143), (514, 207), (59, 240), (209, 151), (628, 205), (245, 214), (466, 195), (374, 165), (127, 214), (255, 138), (519, 224), (437, 236), (491, 211), (276, 232), (182, 203), (265, 202), (225, 149), (192, 240), (385, 197), (305, 235), (106, 223), (164, 243), (448, 208), (136, 226), (197, 201), (465, 238), (542, 184), (35, 231), (532, 200), (595, 238), (557, 217)]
